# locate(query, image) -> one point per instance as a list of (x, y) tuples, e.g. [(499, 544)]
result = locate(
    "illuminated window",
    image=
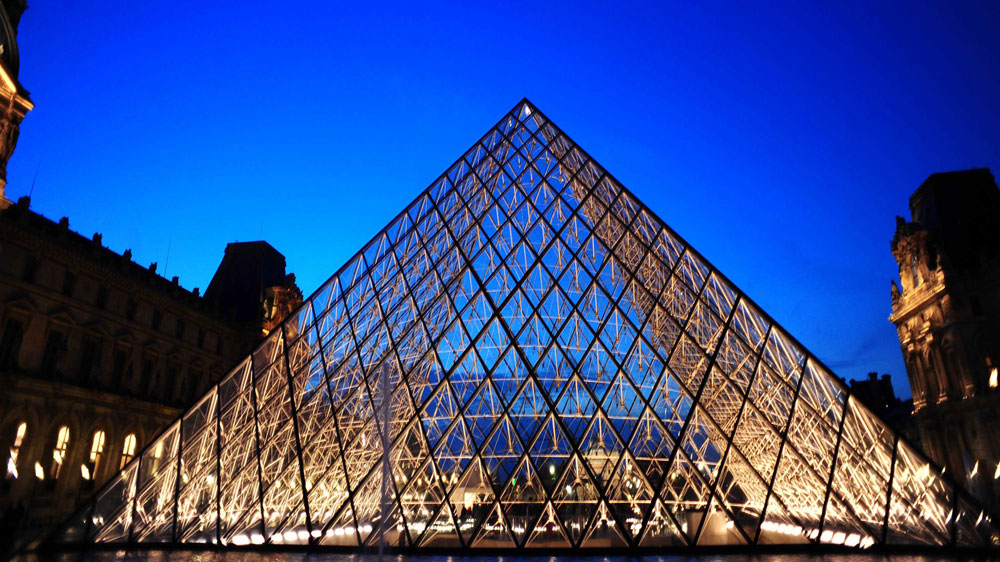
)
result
[(59, 452), (993, 377), (15, 448), (128, 450), (94, 461), (157, 455)]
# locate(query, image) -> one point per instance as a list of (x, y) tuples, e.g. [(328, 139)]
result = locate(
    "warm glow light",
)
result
[(85, 472), (128, 450), (993, 377), (975, 470), (39, 471), (15, 448)]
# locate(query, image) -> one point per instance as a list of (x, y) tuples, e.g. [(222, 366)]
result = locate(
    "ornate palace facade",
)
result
[(98, 354), (948, 318)]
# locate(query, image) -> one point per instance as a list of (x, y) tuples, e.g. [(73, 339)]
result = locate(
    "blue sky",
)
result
[(780, 139)]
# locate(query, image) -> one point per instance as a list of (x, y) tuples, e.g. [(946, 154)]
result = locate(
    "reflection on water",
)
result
[(190, 556)]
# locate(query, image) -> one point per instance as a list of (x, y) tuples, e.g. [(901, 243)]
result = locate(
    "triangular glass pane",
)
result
[(341, 530), (661, 530), (604, 530), (494, 532), (523, 500), (575, 497), (548, 533)]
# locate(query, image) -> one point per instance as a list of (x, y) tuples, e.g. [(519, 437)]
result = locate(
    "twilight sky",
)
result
[(780, 141)]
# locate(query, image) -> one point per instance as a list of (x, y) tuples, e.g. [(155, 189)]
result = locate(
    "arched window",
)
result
[(59, 452), (128, 450), (89, 469), (157, 455), (15, 449)]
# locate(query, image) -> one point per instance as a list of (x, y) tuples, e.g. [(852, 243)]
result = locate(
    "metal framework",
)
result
[(528, 357)]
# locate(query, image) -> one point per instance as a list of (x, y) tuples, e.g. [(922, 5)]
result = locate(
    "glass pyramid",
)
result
[(526, 357)]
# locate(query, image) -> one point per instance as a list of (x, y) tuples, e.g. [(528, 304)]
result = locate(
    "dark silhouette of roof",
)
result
[(960, 209), (247, 269)]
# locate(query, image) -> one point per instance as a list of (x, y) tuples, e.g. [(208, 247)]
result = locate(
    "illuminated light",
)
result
[(257, 538), (996, 473), (12, 466), (980, 520), (210, 479), (552, 469), (729, 525), (569, 489), (993, 377), (316, 533), (839, 537), (241, 540), (85, 472), (826, 536), (303, 535), (39, 471), (975, 470), (289, 536)]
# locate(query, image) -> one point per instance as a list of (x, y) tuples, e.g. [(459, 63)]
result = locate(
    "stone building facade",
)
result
[(97, 355), (947, 314), (14, 100)]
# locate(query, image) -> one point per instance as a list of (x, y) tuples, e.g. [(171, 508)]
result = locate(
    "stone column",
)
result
[(940, 373), (916, 374)]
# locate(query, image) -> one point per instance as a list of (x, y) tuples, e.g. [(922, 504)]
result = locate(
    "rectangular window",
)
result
[(10, 343), (121, 370), (69, 281), (193, 383), (157, 318), (102, 298), (30, 269), (148, 382), (90, 358), (170, 380), (55, 348)]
